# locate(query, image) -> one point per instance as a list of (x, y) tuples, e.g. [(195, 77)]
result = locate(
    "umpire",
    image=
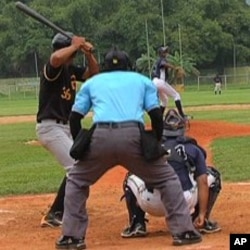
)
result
[(119, 98)]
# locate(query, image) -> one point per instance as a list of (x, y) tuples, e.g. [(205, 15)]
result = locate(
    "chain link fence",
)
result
[(22, 88), (19, 88)]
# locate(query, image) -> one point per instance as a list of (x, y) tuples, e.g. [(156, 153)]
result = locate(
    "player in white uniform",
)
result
[(160, 77)]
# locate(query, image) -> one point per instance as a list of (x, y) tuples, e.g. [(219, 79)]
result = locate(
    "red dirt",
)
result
[(20, 216)]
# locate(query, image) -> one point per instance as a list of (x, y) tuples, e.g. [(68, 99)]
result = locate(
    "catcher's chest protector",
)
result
[(178, 156)]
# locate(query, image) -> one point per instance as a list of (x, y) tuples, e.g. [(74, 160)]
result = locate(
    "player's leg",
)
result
[(220, 89), (215, 89), (56, 139), (214, 183), (160, 85), (171, 92), (163, 178), (137, 226), (53, 217)]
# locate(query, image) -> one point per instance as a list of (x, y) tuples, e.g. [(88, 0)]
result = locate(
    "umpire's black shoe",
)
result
[(68, 242), (189, 237)]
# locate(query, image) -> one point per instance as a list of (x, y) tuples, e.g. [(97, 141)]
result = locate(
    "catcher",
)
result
[(201, 184)]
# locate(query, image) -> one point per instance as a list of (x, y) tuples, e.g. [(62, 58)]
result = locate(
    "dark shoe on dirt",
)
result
[(52, 220), (186, 238), (68, 242), (210, 227), (137, 230)]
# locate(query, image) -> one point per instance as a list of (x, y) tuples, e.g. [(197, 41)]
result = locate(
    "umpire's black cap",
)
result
[(116, 59)]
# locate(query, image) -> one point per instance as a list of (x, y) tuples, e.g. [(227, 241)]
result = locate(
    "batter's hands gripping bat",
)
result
[(32, 13)]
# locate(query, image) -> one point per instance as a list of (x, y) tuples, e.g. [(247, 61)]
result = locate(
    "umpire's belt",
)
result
[(117, 124)]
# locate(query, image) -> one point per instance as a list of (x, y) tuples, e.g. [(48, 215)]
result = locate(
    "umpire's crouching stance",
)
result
[(119, 98)]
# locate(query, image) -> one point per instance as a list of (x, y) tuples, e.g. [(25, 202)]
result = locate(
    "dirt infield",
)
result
[(20, 216)]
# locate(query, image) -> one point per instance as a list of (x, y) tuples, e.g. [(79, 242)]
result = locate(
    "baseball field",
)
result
[(29, 177)]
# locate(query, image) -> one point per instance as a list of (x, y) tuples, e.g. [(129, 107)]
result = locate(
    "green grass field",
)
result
[(31, 169), (29, 106)]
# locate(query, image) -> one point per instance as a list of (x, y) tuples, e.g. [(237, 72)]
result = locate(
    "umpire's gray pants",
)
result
[(121, 146)]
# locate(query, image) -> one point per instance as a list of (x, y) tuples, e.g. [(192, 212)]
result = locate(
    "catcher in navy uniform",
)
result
[(56, 97), (201, 184)]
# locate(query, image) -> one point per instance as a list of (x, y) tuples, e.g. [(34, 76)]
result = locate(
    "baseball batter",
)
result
[(56, 97), (160, 77)]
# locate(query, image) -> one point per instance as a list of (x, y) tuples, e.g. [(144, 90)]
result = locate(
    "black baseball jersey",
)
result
[(183, 150), (217, 79), (57, 91), (159, 69)]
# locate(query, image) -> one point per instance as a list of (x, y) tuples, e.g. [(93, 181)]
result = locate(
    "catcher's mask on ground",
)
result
[(60, 41), (174, 124), (116, 59)]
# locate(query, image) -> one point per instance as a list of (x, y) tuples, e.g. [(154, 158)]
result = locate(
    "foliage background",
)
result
[(214, 33)]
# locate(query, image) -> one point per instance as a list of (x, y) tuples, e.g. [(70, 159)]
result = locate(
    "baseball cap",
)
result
[(60, 41), (163, 49), (116, 59)]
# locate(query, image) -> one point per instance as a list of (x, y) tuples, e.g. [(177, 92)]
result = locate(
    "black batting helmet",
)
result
[(61, 41), (174, 124), (116, 59)]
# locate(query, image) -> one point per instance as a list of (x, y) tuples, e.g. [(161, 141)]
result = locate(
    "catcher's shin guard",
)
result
[(136, 214), (214, 188)]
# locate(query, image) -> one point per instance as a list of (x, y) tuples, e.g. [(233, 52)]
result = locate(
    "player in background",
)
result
[(217, 84), (160, 78)]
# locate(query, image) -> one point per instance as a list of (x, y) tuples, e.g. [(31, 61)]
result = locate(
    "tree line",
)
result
[(214, 34)]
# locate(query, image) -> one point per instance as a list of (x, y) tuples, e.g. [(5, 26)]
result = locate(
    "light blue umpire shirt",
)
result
[(117, 96)]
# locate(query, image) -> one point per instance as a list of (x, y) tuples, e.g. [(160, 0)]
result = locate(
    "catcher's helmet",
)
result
[(116, 59), (60, 41), (174, 124)]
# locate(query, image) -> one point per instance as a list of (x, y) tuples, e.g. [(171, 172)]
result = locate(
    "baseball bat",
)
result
[(32, 13)]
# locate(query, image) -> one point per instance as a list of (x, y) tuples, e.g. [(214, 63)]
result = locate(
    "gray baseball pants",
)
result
[(121, 146)]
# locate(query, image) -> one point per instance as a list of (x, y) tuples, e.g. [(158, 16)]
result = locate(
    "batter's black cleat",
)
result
[(68, 242), (52, 220), (186, 238)]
